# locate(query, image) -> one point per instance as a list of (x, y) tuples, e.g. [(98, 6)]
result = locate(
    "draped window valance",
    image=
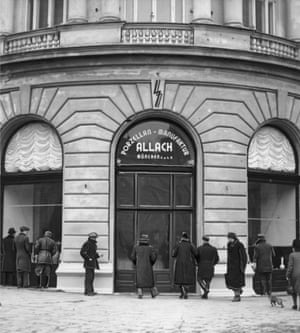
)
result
[(34, 147), (271, 150)]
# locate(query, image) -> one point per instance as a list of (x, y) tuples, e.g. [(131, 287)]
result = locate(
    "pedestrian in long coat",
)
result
[(184, 275), (8, 252), (23, 258), (236, 266), (207, 258), (45, 249), (263, 263), (90, 255), (144, 257), (293, 272)]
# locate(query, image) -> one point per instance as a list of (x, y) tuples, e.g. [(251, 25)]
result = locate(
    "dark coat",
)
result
[(45, 248), (144, 257), (89, 254), (207, 258), (23, 259), (236, 265), (185, 254), (8, 252), (263, 257)]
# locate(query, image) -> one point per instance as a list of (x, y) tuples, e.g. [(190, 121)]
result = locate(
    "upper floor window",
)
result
[(260, 15), (156, 10), (46, 13)]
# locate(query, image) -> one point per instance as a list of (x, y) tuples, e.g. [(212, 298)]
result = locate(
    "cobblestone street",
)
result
[(40, 312)]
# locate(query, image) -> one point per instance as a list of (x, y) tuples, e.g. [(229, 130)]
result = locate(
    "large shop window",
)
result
[(273, 191), (32, 181), (46, 13)]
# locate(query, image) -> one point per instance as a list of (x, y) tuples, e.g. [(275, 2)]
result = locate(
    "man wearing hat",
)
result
[(144, 257), (207, 257), (90, 255), (23, 258), (263, 263), (8, 253), (45, 249), (185, 254)]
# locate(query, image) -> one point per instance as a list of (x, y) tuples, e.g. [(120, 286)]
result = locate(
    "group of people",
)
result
[(16, 254), (16, 260), (206, 256)]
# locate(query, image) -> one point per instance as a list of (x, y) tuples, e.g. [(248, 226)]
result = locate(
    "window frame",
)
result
[(33, 11)]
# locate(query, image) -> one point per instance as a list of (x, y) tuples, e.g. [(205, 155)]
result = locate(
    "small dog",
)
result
[(274, 300)]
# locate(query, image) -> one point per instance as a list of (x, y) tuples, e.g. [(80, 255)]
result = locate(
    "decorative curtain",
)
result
[(34, 147), (271, 150)]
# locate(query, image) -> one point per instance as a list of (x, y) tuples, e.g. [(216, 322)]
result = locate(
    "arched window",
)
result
[(155, 194), (273, 187), (32, 181)]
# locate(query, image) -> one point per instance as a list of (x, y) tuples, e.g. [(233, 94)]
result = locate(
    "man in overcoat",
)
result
[(263, 263), (207, 258), (236, 266), (45, 249), (90, 255), (144, 257), (185, 254), (8, 252), (23, 258)]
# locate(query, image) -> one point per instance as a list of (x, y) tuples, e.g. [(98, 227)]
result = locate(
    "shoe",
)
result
[(236, 299), (204, 296), (91, 294), (140, 296), (294, 307), (154, 292)]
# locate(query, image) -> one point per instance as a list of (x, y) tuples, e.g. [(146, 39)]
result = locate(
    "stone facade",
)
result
[(223, 93)]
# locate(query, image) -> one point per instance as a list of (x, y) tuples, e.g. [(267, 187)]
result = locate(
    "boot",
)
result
[(140, 293), (181, 292), (237, 296), (185, 293), (154, 292)]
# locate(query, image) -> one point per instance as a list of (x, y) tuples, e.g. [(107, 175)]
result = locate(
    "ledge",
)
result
[(151, 34)]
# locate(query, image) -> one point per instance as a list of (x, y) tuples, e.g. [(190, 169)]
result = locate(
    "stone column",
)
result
[(110, 10), (202, 11), (293, 20), (6, 17), (233, 13), (77, 11)]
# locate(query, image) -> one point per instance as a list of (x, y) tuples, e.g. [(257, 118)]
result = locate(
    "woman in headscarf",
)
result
[(293, 272), (185, 254), (236, 266)]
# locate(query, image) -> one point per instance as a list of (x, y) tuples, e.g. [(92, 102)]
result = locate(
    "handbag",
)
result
[(290, 289)]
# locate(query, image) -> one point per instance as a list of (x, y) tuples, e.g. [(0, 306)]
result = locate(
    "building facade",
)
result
[(156, 116)]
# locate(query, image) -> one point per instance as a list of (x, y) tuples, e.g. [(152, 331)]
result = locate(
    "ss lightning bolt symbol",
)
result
[(158, 93)]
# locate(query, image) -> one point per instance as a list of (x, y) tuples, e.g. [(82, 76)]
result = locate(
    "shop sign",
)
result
[(155, 142)]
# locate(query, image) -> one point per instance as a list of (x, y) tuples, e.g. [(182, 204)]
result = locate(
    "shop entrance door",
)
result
[(155, 199)]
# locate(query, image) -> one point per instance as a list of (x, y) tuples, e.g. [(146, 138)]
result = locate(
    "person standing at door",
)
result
[(8, 253), (263, 264), (23, 258), (45, 248), (185, 254), (144, 257), (90, 255), (207, 258), (236, 266)]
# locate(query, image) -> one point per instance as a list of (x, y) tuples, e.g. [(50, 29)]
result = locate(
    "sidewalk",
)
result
[(35, 311)]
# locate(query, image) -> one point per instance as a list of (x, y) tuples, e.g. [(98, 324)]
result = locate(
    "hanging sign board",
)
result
[(155, 142)]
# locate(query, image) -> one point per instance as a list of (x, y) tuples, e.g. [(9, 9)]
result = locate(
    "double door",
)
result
[(159, 204)]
